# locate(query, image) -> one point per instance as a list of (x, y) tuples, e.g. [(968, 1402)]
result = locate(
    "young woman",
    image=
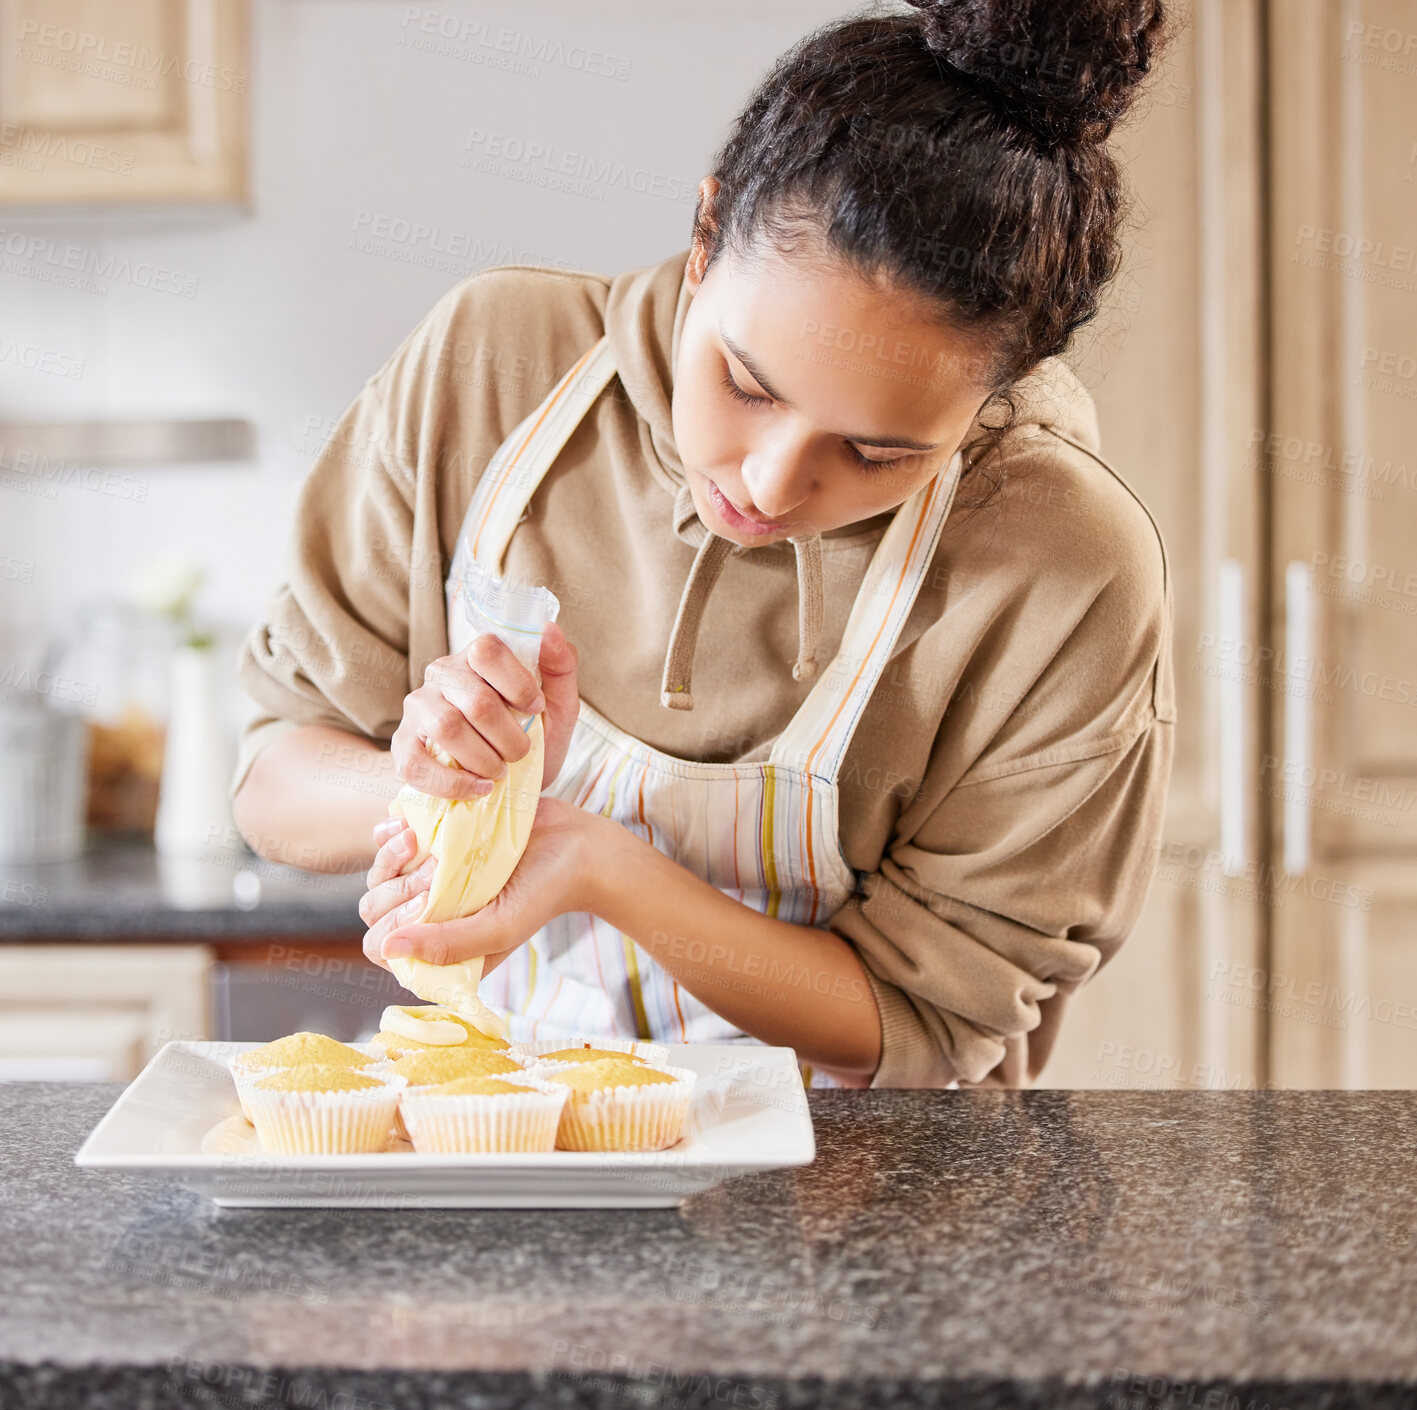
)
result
[(859, 708)]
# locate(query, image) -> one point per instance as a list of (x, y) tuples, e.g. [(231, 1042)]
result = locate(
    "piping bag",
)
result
[(478, 842)]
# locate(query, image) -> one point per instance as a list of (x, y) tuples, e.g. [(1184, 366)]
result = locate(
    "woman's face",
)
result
[(810, 399)]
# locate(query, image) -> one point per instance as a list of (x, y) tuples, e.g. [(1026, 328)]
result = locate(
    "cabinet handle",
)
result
[(1298, 714), (1230, 610)]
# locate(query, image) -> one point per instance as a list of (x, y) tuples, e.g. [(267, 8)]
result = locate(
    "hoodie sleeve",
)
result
[(345, 638), (362, 611), (332, 645), (1031, 870)]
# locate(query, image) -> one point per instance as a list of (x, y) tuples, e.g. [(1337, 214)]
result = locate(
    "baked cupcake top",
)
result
[(314, 1077), (433, 1065), (589, 1054), (617, 1071), (477, 1086), (303, 1050)]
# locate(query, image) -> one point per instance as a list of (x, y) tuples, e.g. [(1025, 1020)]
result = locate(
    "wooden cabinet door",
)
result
[(116, 101), (97, 1012), (1341, 779), (1174, 364)]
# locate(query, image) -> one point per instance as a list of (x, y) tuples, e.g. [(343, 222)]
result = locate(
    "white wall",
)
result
[(351, 112)]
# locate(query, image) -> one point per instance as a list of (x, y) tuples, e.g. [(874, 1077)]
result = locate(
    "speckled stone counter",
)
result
[(1128, 1250), (120, 889)]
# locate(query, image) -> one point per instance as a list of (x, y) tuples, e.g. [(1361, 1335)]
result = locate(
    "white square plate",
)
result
[(749, 1113)]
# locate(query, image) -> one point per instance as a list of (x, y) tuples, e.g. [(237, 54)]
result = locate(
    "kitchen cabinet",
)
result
[(1174, 362), (97, 1012), (120, 949), (122, 101), (1256, 381), (1342, 460)]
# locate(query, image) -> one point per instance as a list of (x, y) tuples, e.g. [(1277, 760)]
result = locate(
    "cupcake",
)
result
[(413, 1028), (592, 1049), (433, 1066), (483, 1113), (323, 1110), (616, 1104), (587, 1054), (430, 1067), (294, 1050)]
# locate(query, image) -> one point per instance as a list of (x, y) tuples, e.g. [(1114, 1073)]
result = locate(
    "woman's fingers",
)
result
[(376, 903), (470, 706), (429, 717), (496, 735), (563, 702), (397, 844), (393, 903), (491, 658), (415, 765)]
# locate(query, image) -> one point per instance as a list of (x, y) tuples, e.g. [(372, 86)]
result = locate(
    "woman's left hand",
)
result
[(553, 876)]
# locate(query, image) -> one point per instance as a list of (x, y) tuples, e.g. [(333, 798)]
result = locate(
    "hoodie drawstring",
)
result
[(713, 551), (708, 563), (808, 549)]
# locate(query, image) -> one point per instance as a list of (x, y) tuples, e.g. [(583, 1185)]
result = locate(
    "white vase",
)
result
[(193, 811)]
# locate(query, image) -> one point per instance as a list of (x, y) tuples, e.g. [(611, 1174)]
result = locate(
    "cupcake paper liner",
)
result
[(401, 1128), (325, 1123), (447, 1124), (627, 1118), (247, 1077)]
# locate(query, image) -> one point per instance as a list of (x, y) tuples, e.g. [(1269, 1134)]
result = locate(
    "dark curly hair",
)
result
[(957, 149)]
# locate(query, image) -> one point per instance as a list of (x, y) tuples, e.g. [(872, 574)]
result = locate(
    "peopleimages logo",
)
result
[(37, 256), (36, 150), (37, 359), (26, 469)]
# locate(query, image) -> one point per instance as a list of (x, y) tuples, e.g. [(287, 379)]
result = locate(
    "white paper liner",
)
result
[(448, 1124), (326, 1123), (401, 1128), (246, 1077), (626, 1118), (655, 1053)]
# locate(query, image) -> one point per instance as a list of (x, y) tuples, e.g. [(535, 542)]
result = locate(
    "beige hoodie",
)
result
[(1003, 794)]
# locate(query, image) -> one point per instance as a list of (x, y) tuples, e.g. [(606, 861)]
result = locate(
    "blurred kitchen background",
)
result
[(218, 218)]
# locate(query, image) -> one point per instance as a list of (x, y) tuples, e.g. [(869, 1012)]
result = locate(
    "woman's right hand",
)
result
[(469, 706)]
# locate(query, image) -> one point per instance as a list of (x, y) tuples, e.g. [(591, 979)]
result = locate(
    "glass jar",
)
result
[(121, 655)]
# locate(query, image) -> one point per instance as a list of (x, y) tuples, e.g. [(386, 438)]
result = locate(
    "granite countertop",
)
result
[(122, 889), (1204, 1250)]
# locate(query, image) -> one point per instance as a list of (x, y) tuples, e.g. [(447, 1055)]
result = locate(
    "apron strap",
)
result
[(522, 460), (817, 736)]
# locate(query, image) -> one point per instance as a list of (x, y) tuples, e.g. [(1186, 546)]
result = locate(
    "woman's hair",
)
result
[(957, 150)]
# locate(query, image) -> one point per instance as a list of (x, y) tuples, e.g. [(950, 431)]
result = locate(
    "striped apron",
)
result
[(764, 833)]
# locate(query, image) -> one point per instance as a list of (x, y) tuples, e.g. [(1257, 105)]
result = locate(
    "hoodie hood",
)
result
[(644, 318)]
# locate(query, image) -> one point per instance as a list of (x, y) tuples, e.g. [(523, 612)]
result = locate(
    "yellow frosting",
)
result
[(314, 1077), (450, 986), (303, 1049), (431, 1027), (478, 843), (408, 1028)]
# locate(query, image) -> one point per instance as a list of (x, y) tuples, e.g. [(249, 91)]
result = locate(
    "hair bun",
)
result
[(1065, 69)]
